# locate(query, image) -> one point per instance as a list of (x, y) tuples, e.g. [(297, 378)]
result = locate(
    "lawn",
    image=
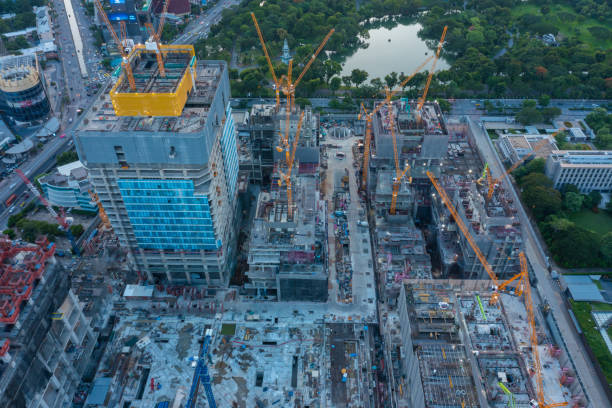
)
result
[(582, 311), (570, 23), (597, 222)]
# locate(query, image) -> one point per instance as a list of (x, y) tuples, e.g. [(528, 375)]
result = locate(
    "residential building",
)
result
[(68, 187), (165, 166), (46, 340), (589, 170)]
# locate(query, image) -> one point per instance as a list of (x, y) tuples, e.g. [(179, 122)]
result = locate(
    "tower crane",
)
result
[(154, 42), (433, 68), (493, 182), (265, 50), (125, 63), (286, 176), (201, 375), (523, 287), (466, 233), (399, 173), (103, 216), (369, 116), (61, 219)]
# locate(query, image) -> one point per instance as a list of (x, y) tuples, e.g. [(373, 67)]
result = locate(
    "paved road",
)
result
[(546, 287), (468, 106), (200, 27), (76, 88)]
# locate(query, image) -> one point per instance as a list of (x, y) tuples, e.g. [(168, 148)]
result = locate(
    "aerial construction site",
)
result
[(278, 256)]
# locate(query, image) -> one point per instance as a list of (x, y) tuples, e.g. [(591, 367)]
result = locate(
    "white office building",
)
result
[(588, 170)]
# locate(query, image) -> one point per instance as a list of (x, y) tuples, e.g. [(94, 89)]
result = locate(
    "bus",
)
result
[(10, 200)]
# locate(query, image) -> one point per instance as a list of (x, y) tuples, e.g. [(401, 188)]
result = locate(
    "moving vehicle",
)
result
[(63, 135), (11, 200), (340, 155)]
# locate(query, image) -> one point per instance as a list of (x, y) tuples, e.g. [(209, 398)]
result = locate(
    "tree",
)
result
[(331, 68), (445, 105), (596, 198), (335, 83), (575, 247), (528, 115), (347, 81), (534, 166), (106, 63), (544, 100), (67, 157), (358, 76), (391, 80), (606, 249), (10, 232), (534, 180), (77, 230), (572, 202), (548, 114), (542, 201)]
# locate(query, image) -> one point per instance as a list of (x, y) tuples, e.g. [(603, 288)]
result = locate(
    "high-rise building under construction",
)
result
[(161, 153)]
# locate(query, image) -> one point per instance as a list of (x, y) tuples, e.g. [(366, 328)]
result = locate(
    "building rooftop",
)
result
[(582, 158), (103, 118)]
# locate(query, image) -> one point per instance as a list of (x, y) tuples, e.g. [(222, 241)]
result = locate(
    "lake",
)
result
[(404, 53)]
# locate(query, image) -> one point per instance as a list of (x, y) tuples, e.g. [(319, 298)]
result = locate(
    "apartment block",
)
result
[(163, 159)]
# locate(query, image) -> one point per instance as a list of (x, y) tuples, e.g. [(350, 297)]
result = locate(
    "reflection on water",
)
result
[(404, 53)]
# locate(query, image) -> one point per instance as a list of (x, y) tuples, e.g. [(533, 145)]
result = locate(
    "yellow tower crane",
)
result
[(399, 173), (276, 80), (154, 41), (369, 116), (286, 176), (103, 216), (523, 287), (433, 68), (125, 63)]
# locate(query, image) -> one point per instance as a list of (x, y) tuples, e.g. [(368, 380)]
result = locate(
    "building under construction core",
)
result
[(422, 138), (451, 347), (493, 224), (163, 160), (259, 131), (46, 339), (287, 253)]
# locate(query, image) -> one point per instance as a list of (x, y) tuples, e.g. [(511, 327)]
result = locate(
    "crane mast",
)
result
[(125, 63), (286, 177), (399, 173), (201, 375), (368, 116), (433, 68)]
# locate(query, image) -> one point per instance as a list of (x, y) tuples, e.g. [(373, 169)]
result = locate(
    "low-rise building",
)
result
[(68, 187), (516, 147), (588, 170)]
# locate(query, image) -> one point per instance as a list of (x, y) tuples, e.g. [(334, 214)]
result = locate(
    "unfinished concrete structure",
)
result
[(287, 254), (163, 161), (46, 339), (455, 348), (492, 223), (259, 132), (422, 140)]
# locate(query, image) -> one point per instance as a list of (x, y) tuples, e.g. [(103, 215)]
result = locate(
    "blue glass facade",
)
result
[(230, 152), (165, 214)]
